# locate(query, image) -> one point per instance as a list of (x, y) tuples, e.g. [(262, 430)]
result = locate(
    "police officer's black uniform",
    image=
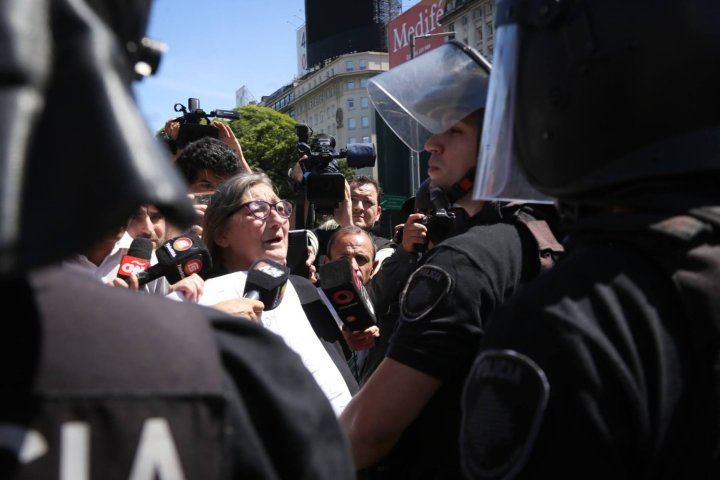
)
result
[(443, 312), (607, 365), (612, 365), (124, 384)]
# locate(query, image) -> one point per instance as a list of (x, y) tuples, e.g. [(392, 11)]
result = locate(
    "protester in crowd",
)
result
[(406, 417), (107, 382), (607, 366), (246, 221), (360, 207), (355, 245)]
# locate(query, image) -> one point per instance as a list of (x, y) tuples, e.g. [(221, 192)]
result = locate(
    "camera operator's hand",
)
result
[(296, 173), (227, 136), (413, 233), (172, 127), (343, 213)]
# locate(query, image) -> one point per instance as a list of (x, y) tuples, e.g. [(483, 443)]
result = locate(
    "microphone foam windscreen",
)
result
[(266, 275)]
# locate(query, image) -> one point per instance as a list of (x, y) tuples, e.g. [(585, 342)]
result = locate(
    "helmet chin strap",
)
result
[(461, 188)]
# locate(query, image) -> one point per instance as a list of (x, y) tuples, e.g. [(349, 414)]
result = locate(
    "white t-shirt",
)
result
[(288, 321)]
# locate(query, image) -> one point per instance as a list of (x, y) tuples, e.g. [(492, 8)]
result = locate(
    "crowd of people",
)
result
[(549, 308)]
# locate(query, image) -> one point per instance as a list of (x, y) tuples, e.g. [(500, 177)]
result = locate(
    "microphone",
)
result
[(266, 282), (136, 259), (346, 293), (178, 258)]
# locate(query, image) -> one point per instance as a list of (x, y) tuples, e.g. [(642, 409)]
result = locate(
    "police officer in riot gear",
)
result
[(405, 419), (607, 366), (100, 382)]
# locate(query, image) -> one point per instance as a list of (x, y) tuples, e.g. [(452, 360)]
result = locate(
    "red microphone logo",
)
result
[(193, 266), (132, 265), (182, 244), (342, 297)]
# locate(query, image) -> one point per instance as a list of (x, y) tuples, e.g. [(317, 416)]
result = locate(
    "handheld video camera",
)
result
[(325, 185), (191, 126), (439, 216)]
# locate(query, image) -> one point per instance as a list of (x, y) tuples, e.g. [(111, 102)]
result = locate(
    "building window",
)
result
[(351, 123), (350, 85), (363, 83), (351, 103), (365, 122), (349, 66), (364, 102), (363, 64), (352, 140), (366, 140)]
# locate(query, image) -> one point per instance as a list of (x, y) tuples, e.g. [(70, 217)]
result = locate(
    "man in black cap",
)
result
[(607, 366), (101, 382)]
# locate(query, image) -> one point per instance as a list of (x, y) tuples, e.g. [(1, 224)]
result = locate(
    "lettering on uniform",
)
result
[(503, 404), (156, 457), (501, 369), (426, 288)]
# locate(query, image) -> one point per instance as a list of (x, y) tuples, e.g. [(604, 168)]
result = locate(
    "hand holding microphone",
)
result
[(342, 286), (178, 258), (266, 282)]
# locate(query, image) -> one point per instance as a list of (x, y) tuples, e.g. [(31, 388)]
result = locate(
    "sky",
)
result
[(215, 47)]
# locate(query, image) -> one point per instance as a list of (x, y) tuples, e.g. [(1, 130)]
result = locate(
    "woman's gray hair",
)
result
[(224, 203)]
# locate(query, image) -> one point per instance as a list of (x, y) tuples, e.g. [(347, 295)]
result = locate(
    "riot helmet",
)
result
[(78, 158), (590, 98), (430, 93)]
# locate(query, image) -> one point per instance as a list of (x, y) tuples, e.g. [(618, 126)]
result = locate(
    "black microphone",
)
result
[(266, 282), (137, 258), (342, 286), (178, 258)]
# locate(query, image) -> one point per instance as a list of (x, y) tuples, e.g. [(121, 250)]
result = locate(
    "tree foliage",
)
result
[(268, 141)]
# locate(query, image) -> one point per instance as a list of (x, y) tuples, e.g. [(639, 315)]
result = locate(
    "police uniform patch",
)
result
[(426, 287), (503, 404)]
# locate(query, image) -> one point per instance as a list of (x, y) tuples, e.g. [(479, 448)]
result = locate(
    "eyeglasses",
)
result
[(261, 209)]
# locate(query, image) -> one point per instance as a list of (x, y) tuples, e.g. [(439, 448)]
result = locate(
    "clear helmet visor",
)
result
[(430, 93), (499, 175)]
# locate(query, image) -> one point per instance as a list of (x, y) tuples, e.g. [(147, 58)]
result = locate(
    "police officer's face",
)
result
[(358, 249), (453, 152), (247, 238)]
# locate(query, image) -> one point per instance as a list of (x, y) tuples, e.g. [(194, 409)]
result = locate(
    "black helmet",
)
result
[(589, 96), (77, 158)]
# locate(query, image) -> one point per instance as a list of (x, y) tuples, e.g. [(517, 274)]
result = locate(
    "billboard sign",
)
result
[(421, 19)]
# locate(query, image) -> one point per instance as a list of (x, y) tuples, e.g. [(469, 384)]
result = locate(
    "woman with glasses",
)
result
[(244, 222)]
